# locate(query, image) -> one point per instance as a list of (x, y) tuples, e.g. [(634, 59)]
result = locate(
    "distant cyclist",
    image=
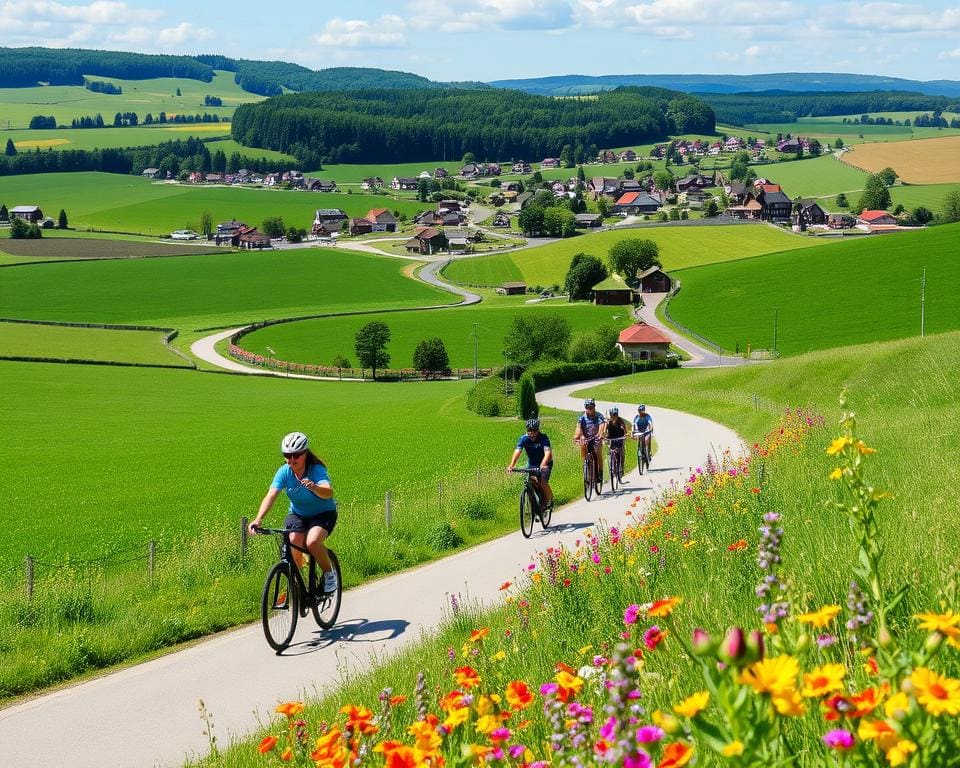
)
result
[(313, 512), (589, 431), (643, 426), (539, 454)]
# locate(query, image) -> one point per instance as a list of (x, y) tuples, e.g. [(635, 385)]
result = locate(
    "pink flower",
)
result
[(630, 614), (608, 731), (839, 739), (548, 689), (652, 637), (596, 559), (649, 734), (516, 751), (638, 760)]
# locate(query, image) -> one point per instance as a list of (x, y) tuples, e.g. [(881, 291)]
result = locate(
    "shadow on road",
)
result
[(352, 631)]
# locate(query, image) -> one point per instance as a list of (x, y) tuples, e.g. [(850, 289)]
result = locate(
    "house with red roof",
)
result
[(632, 203), (642, 342), (876, 218), (381, 220)]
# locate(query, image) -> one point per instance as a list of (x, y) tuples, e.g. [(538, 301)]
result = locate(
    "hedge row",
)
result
[(547, 375)]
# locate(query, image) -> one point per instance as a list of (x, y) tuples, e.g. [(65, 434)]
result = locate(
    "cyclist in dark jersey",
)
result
[(539, 454), (590, 429), (616, 429), (643, 426)]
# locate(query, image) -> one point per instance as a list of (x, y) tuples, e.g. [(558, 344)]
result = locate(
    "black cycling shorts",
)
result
[(326, 520)]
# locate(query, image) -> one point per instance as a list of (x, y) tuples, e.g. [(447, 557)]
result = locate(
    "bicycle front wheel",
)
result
[(614, 471), (526, 512), (598, 477), (326, 606), (546, 514), (278, 607), (640, 456), (588, 478)]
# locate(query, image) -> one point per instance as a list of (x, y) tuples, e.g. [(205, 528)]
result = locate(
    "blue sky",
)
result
[(498, 39)]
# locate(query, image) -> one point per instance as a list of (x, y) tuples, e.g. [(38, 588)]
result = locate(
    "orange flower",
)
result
[(402, 756), (466, 677), (479, 634), (518, 695), (290, 709), (570, 685), (505, 585), (675, 755), (663, 608), (268, 743), (561, 667), (737, 545), (453, 700), (286, 755), (399, 699)]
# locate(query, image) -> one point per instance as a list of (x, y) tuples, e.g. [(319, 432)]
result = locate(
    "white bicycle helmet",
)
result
[(295, 442)]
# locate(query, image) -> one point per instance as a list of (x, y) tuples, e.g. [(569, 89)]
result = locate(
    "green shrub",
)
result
[(548, 375), (478, 508), (444, 536), (527, 407), (487, 398)]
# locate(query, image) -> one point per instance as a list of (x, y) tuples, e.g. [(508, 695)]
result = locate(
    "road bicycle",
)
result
[(643, 450), (287, 596), (592, 472), (615, 460), (531, 502)]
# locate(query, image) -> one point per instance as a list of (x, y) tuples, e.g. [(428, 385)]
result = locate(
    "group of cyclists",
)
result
[(312, 514), (591, 430)]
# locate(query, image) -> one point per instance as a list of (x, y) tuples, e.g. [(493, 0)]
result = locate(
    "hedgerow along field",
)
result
[(216, 289), (680, 247), (926, 161), (178, 457), (693, 563), (319, 341), (100, 344), (120, 203), (832, 296), (833, 127), (156, 95)]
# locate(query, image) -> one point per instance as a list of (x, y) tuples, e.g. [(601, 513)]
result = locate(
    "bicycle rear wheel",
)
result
[(640, 456), (588, 477), (546, 514), (279, 608), (598, 475), (326, 607), (614, 470), (527, 505)]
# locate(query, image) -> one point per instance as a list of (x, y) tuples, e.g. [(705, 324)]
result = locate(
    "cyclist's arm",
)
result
[(321, 489), (513, 459), (578, 432), (265, 506), (547, 457)]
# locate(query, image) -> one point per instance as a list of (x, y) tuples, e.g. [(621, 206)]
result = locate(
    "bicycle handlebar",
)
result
[(260, 531), (527, 470), (614, 439)]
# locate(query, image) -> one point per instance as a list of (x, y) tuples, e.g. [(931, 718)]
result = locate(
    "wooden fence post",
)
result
[(386, 507), (243, 539), (29, 577), (151, 559)]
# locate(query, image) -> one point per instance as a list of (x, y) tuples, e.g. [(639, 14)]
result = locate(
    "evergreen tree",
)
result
[(11, 150), (527, 407), (62, 220)]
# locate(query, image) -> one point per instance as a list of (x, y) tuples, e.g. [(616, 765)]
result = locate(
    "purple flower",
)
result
[(839, 739), (516, 751), (630, 614), (649, 734), (637, 760), (825, 641), (608, 731), (548, 689)]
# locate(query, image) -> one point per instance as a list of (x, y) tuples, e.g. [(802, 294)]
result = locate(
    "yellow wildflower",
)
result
[(878, 731), (498, 656), (693, 705), (899, 754), (789, 703), (938, 622), (838, 445), (836, 474), (863, 449), (821, 617), (823, 680), (733, 749), (897, 705), (775, 674), (935, 693), (457, 717)]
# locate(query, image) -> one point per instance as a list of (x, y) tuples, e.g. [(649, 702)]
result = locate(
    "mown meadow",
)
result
[(680, 247), (132, 204), (777, 609), (320, 341), (831, 296), (100, 344)]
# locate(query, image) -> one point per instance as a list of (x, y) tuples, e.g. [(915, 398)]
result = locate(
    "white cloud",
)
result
[(752, 52), (385, 32), (165, 38), (954, 54), (487, 15), (902, 18), (102, 12)]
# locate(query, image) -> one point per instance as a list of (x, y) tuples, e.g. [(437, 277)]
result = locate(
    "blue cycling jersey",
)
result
[(590, 427), (304, 502), (642, 423), (535, 448)]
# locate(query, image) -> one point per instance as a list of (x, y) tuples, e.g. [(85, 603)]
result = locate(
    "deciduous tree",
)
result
[(632, 255), (431, 355), (876, 196), (537, 338), (585, 271), (370, 344)]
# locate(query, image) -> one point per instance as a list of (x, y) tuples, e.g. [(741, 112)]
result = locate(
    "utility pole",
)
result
[(776, 311), (923, 297), (476, 342)]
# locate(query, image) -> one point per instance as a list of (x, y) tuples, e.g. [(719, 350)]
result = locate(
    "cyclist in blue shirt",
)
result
[(591, 427), (539, 454), (312, 515), (643, 426)]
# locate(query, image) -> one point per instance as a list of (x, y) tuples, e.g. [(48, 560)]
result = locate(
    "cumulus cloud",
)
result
[(954, 54), (102, 12), (165, 38), (385, 32), (902, 18), (483, 15)]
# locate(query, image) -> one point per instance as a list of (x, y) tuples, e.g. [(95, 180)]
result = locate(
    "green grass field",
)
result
[(680, 247), (132, 204), (26, 140), (846, 293), (319, 341), (815, 177), (101, 344), (219, 289), (833, 127), (66, 102)]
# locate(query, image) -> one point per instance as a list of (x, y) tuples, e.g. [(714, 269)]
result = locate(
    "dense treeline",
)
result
[(25, 67), (189, 154), (268, 78), (100, 86), (419, 125), (784, 107)]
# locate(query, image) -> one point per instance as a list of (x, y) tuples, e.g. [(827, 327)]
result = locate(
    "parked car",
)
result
[(183, 234)]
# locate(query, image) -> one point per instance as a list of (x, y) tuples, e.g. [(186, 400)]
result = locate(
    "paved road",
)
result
[(147, 715)]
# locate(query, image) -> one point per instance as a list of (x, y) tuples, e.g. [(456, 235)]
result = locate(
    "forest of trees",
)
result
[(25, 67), (781, 107), (99, 86), (420, 125), (189, 154)]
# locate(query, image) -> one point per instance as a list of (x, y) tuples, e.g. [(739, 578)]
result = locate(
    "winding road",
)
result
[(147, 715)]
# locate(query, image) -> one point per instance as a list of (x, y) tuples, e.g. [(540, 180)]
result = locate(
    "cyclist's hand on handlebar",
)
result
[(254, 527)]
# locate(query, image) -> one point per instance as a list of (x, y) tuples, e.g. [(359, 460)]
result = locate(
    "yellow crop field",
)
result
[(41, 143), (921, 161), (200, 127)]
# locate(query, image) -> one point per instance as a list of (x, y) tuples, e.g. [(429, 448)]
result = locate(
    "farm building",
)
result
[(654, 280), (29, 213), (512, 289), (426, 240), (254, 239), (360, 227), (636, 202), (587, 220), (876, 218), (642, 342), (613, 290), (382, 220)]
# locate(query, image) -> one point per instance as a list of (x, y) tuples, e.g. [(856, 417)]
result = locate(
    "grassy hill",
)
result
[(829, 296), (680, 247)]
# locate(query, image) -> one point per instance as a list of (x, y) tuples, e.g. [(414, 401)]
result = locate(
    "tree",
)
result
[(273, 226), (559, 222), (711, 209), (632, 255), (370, 344), (178, 92), (585, 271), (527, 407), (876, 196), (951, 206), (295, 234), (530, 220), (431, 355), (19, 229), (838, 144), (4, 213), (468, 157), (423, 190), (663, 180), (62, 219), (566, 156), (530, 339), (921, 215), (341, 362), (603, 206), (842, 201), (598, 344), (888, 175), (206, 224), (11, 149)]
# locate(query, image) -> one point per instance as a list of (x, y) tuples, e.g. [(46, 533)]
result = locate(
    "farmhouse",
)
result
[(603, 185), (521, 167), (29, 213), (403, 182), (252, 239), (587, 220), (319, 185), (372, 182), (382, 220), (426, 240), (331, 218), (511, 289), (777, 207), (840, 221), (876, 218), (628, 156), (360, 227), (613, 290), (643, 342), (549, 162), (151, 173), (636, 203), (654, 280), (809, 213), (751, 209)]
